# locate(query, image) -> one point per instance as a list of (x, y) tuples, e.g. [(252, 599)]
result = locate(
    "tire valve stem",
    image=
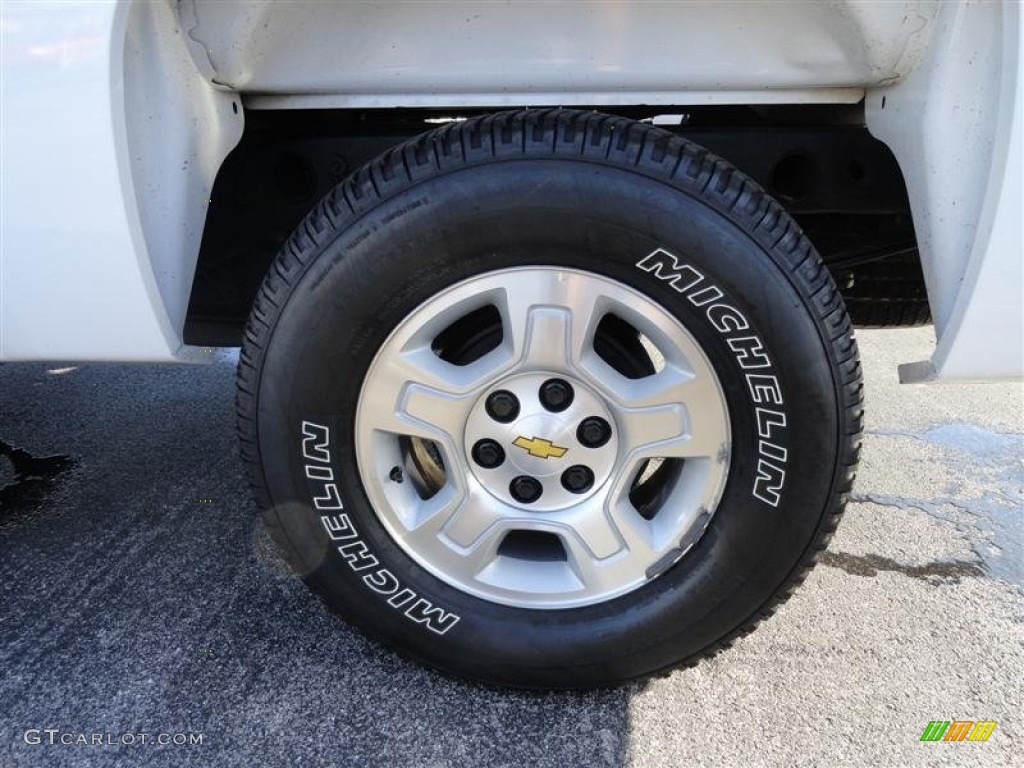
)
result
[(396, 475)]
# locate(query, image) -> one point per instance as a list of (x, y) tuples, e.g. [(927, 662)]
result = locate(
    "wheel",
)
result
[(550, 399)]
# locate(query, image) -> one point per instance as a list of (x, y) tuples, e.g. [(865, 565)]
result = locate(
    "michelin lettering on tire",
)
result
[(744, 282), (319, 470), (751, 357)]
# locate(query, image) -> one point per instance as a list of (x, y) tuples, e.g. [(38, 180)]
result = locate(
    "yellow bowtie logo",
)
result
[(539, 447)]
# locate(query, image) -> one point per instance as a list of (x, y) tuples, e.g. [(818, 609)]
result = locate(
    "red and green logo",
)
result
[(958, 730)]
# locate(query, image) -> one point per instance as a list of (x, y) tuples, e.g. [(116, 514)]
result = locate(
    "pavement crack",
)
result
[(894, 433), (893, 502), (937, 572), (931, 508)]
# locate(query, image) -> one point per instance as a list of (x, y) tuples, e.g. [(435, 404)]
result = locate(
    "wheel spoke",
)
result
[(431, 516), (550, 320), (547, 342), (671, 431), (477, 513), (422, 366), (437, 413), (671, 414), (421, 398), (648, 430), (483, 552), (608, 546), (594, 527), (587, 569), (465, 518)]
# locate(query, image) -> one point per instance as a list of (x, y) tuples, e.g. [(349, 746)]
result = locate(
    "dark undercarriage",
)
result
[(843, 186)]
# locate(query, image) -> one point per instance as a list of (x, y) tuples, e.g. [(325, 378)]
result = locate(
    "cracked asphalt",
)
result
[(138, 594)]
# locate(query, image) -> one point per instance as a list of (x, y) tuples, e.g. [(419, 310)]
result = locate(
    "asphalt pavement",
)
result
[(140, 595)]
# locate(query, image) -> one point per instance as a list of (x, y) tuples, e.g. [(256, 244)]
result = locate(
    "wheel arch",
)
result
[(954, 124)]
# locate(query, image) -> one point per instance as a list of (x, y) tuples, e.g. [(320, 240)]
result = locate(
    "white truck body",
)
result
[(117, 117)]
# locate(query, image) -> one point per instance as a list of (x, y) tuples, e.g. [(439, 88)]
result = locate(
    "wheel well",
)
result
[(843, 186)]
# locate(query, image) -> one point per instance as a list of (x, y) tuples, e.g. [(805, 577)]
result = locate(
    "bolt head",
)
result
[(556, 395), (578, 479), (502, 406), (488, 454), (525, 489), (593, 432)]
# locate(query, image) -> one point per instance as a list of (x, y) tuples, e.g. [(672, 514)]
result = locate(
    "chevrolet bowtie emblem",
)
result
[(539, 447)]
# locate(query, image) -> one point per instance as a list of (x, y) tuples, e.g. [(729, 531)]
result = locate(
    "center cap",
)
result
[(545, 466), (539, 447), (538, 444)]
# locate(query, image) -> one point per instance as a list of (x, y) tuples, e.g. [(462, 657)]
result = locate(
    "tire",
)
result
[(402, 302)]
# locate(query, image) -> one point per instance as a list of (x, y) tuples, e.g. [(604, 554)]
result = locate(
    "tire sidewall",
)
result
[(611, 222)]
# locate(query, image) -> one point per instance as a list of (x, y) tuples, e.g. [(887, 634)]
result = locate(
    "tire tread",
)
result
[(600, 138)]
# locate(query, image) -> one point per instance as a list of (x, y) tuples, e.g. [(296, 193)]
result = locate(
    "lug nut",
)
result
[(488, 454), (556, 394), (525, 489), (577, 479), (502, 406), (593, 432)]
